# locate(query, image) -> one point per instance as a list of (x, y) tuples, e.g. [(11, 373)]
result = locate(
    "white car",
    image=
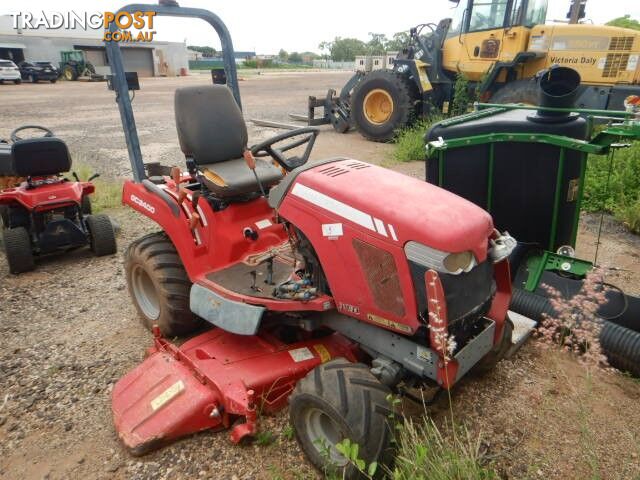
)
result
[(9, 72)]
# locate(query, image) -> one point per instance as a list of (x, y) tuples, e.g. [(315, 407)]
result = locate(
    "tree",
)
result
[(206, 52), (376, 45), (284, 56), (344, 49), (295, 57), (399, 41), (625, 22)]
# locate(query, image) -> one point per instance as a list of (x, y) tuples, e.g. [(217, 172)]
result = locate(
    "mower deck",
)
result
[(216, 380)]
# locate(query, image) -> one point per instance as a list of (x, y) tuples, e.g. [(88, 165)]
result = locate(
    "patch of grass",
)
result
[(265, 438), (409, 142), (425, 452), (288, 432), (108, 193), (622, 198)]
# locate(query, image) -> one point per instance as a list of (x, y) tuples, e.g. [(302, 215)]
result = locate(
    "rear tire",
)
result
[(380, 120), (159, 286), (102, 237), (4, 215), (339, 400), (54, 80), (17, 247), (517, 91)]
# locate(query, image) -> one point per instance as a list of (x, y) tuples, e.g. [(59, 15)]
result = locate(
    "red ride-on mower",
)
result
[(329, 284), (42, 212)]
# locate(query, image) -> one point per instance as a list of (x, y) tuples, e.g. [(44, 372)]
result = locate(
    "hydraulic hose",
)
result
[(621, 345)]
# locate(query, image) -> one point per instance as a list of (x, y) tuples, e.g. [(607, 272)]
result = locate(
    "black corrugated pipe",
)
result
[(621, 345)]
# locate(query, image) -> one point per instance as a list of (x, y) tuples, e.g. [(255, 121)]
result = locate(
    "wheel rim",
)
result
[(324, 433), (145, 292), (378, 106)]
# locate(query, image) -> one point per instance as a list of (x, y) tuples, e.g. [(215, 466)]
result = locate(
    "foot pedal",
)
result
[(522, 329)]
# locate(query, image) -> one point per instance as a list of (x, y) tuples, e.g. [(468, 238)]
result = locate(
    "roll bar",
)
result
[(119, 82)]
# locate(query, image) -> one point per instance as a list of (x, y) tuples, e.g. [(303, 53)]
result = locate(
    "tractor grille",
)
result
[(615, 64), (468, 294), (621, 43)]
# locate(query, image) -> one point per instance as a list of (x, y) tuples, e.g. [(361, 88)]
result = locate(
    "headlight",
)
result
[(443, 262)]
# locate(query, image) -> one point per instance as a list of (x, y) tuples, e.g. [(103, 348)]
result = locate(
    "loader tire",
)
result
[(102, 237), (491, 359), (382, 103), (17, 247), (159, 285), (339, 400), (517, 91)]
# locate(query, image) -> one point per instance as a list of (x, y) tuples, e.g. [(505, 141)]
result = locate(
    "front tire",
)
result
[(339, 400), (491, 359), (159, 286), (18, 82), (69, 73), (382, 103), (17, 247), (102, 237)]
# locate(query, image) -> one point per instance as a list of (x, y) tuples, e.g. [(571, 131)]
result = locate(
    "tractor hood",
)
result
[(387, 205)]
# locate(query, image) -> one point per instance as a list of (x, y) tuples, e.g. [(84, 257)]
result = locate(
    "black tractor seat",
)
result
[(212, 132), (34, 157)]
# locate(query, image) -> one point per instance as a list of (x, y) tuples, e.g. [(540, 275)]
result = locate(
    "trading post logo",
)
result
[(131, 27)]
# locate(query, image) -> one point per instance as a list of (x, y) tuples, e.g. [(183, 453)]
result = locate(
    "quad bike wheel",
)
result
[(102, 237), (491, 359), (159, 285), (339, 400), (4, 215), (382, 103), (17, 247), (517, 91)]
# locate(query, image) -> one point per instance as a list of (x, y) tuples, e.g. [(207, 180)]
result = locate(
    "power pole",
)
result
[(577, 10)]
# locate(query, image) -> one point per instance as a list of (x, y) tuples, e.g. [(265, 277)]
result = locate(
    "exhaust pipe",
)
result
[(558, 87)]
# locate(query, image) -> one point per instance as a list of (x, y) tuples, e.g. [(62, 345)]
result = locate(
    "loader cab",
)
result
[(483, 32)]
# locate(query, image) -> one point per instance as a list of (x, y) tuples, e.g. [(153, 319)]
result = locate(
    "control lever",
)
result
[(176, 175), (251, 163)]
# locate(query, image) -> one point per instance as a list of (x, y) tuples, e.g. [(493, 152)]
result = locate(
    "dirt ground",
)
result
[(68, 330)]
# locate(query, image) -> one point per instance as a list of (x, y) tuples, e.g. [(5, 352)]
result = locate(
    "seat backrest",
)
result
[(210, 125), (40, 156)]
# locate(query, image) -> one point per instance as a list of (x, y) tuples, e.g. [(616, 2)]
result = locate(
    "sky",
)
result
[(267, 26)]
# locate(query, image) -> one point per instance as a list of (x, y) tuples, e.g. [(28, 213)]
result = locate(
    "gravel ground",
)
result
[(68, 331)]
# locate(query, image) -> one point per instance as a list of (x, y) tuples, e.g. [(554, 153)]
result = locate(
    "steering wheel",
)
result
[(266, 148), (16, 138)]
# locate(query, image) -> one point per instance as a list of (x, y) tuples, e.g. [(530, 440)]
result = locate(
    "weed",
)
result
[(265, 438), (462, 95), (575, 326), (618, 193), (288, 432), (410, 145), (425, 452)]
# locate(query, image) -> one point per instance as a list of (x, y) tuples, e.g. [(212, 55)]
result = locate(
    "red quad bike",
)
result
[(329, 284), (43, 212)]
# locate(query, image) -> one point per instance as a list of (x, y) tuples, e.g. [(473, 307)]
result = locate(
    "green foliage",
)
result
[(288, 432), (206, 52), (398, 42), (409, 142), (108, 193), (377, 44), (283, 55), (265, 438), (344, 49), (462, 97), (425, 453), (295, 57), (622, 197), (625, 22)]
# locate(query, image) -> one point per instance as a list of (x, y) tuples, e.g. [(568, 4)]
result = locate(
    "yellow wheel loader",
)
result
[(499, 46)]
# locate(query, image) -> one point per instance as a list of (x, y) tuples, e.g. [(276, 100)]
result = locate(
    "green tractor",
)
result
[(74, 66)]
